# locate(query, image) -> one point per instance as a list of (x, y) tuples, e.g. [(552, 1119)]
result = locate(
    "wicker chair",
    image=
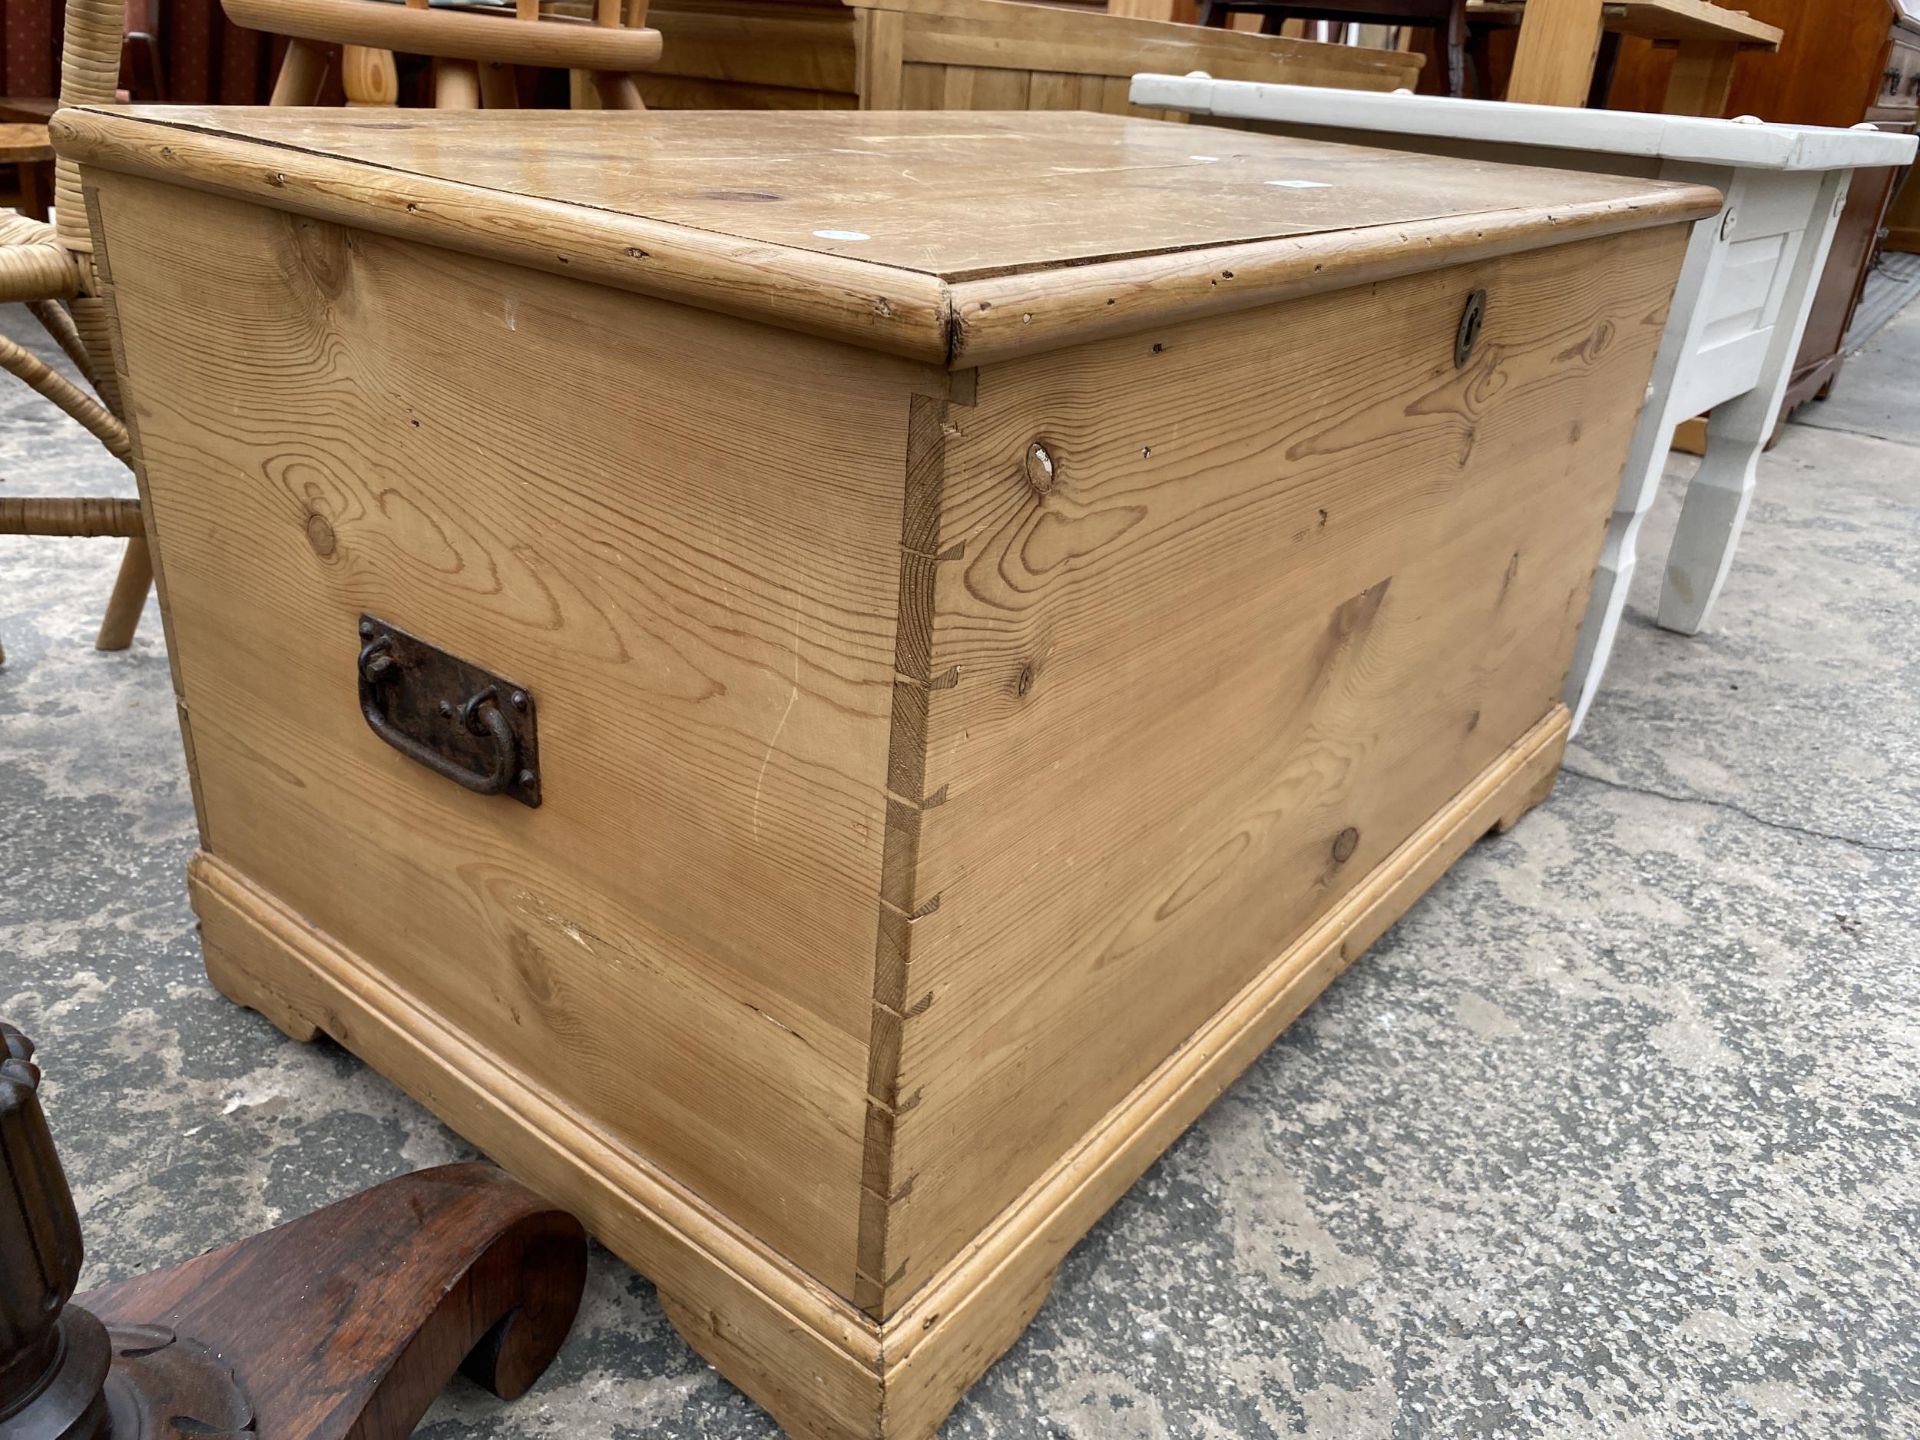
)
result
[(50, 268)]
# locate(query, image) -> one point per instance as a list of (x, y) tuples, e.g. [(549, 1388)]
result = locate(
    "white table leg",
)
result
[(1646, 459), (1717, 498), (1714, 511)]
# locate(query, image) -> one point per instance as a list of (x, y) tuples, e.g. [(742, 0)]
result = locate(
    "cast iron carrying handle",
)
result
[(480, 712)]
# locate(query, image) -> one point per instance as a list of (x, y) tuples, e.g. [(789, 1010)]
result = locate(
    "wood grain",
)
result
[(677, 92), (998, 35), (819, 1367), (1010, 316), (1667, 21), (1066, 189), (790, 46), (752, 710), (130, 585), (958, 1324), (451, 34), (1559, 43), (921, 275), (887, 309), (1702, 76), (879, 48), (65, 516), (398, 1288), (303, 73), (110, 317), (369, 76), (752, 53), (24, 143), (1135, 766), (1827, 70), (792, 1345), (902, 724)]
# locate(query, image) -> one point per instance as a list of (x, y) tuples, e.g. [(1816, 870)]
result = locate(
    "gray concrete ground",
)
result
[(1614, 1135)]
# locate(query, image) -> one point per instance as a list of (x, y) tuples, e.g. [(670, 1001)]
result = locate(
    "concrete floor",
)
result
[(1616, 1134)]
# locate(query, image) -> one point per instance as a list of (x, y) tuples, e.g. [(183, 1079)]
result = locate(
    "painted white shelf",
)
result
[(1745, 290)]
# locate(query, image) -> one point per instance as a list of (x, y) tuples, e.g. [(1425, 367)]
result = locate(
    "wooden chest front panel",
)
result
[(679, 530), (1297, 581)]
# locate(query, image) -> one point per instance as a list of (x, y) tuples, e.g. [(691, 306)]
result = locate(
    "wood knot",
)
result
[(1039, 468), (1025, 685), (1344, 844), (320, 535)]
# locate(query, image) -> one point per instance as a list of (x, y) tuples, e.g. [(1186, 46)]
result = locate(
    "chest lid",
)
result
[(951, 237)]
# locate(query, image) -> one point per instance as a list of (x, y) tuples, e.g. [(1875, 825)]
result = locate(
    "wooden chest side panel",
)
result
[(680, 531), (1295, 582)]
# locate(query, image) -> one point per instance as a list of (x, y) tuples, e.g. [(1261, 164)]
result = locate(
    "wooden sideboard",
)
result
[(1844, 62), (1902, 230), (1895, 105)]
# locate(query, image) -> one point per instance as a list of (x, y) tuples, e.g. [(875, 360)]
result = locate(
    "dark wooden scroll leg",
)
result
[(346, 1323)]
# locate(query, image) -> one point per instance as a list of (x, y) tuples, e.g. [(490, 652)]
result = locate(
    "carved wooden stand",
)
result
[(345, 1323)]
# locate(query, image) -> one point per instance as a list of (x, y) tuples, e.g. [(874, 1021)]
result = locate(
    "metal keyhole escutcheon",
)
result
[(1468, 335)]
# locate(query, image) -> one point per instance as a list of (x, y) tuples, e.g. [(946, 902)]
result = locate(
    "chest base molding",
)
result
[(822, 1368)]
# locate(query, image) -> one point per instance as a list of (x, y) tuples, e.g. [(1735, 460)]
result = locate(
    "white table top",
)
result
[(1690, 138)]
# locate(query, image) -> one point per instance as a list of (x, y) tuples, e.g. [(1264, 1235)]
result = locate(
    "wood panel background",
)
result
[(964, 55), (1826, 72)]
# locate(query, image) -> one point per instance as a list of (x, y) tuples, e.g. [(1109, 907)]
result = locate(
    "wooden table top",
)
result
[(882, 214), (24, 144), (1672, 20), (27, 107)]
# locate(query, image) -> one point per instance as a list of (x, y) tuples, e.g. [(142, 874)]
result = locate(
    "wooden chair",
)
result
[(49, 267), (1448, 17), (474, 50)]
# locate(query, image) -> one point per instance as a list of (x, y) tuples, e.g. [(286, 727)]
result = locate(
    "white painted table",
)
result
[(1745, 291)]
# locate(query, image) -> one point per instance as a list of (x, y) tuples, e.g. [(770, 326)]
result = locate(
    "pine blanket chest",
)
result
[(818, 684)]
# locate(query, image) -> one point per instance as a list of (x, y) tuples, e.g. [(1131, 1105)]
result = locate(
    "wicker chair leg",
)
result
[(129, 597), (90, 319), (55, 320), (69, 397)]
